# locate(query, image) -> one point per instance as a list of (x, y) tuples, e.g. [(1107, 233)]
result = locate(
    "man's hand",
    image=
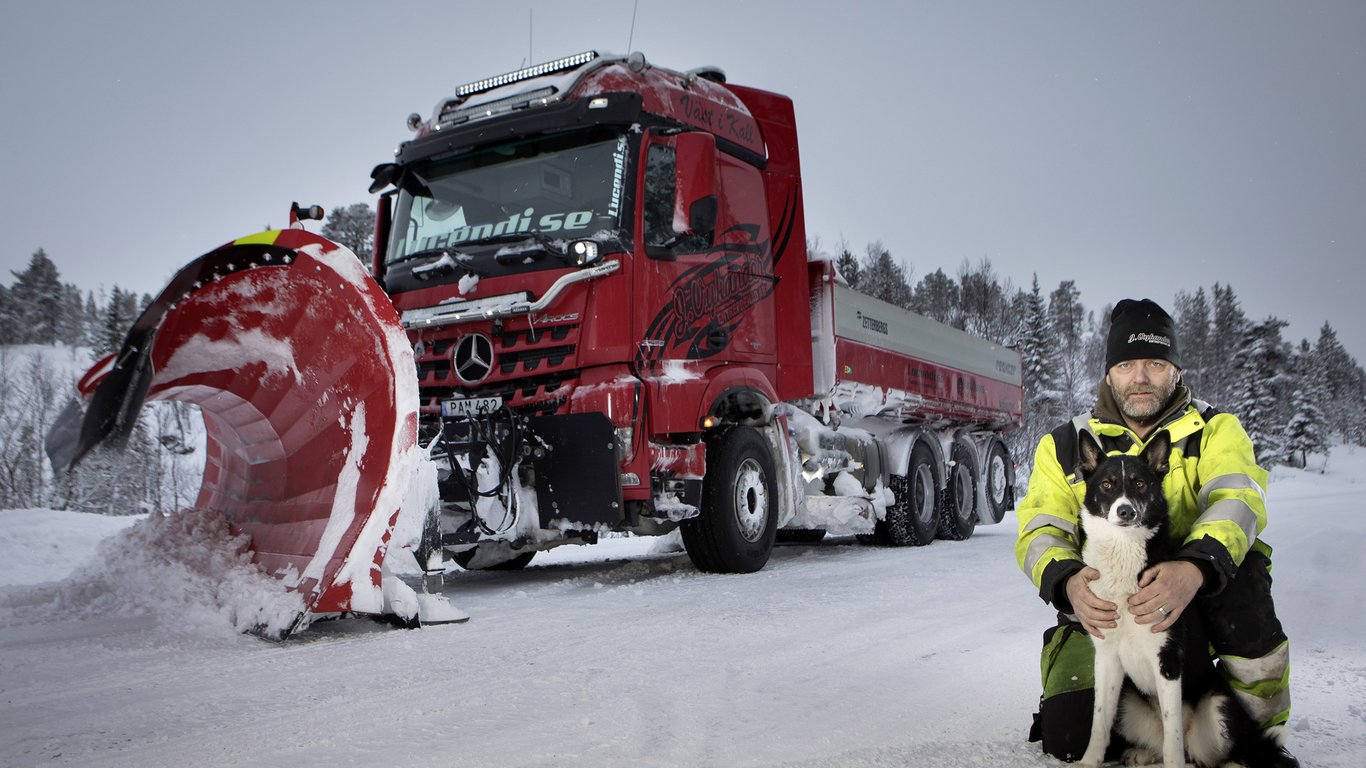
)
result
[(1094, 613), (1164, 592)]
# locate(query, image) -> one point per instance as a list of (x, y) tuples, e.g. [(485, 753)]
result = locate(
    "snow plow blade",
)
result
[(305, 380)]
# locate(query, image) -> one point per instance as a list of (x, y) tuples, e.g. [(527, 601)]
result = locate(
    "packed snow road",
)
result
[(834, 655)]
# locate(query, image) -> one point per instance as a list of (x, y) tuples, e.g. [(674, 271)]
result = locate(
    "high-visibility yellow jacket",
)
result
[(1214, 488)]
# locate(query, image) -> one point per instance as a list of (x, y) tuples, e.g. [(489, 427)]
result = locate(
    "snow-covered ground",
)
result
[(835, 655)]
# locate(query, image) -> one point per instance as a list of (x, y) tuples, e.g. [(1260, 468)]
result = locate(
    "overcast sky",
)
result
[(1138, 148)]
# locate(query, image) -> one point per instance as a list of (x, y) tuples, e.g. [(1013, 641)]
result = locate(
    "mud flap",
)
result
[(579, 481), (304, 377)]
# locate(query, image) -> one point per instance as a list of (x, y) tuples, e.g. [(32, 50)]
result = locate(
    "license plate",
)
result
[(471, 406)]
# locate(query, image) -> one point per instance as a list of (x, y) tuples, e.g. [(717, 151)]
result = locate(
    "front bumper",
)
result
[(572, 461)]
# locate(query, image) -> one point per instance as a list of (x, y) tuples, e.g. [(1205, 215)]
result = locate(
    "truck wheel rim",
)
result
[(924, 493), (998, 480), (751, 500), (964, 494)]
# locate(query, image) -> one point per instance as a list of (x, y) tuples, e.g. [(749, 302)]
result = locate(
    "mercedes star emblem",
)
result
[(473, 358)]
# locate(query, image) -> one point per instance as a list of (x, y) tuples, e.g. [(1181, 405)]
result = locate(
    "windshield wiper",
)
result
[(446, 262), (533, 245)]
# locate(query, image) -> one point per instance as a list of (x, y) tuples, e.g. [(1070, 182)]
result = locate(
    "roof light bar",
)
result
[(558, 65), (454, 113)]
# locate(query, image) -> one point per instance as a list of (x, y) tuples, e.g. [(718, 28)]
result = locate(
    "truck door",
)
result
[(705, 284)]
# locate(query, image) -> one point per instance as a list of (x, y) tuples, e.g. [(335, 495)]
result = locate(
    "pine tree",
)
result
[(71, 331), (1067, 316), (883, 277), (37, 301), (353, 227), (936, 296), (1193, 337), (91, 318), (1307, 430), (1220, 378), (1355, 432), (1344, 404), (1261, 382), (1097, 337), (1045, 400), (1037, 343), (9, 324), (118, 317), (847, 265)]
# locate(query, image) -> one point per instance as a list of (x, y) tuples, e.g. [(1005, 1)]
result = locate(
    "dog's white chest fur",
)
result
[(1120, 554)]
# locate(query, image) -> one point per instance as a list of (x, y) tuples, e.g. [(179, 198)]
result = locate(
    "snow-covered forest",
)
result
[(1295, 397)]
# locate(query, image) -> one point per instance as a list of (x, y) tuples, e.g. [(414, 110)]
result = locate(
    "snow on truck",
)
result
[(596, 268)]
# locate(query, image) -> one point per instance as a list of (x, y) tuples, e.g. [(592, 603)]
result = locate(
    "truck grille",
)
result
[(535, 351), (529, 361)]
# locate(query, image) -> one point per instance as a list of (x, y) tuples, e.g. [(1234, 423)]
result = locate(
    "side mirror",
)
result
[(383, 175), (702, 216), (695, 183)]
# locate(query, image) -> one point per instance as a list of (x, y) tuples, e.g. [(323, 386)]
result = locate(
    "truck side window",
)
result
[(658, 209)]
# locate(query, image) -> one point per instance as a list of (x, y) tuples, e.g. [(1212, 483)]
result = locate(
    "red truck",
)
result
[(602, 266), (590, 309)]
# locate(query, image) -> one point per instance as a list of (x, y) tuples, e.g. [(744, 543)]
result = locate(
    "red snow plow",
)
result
[(297, 362)]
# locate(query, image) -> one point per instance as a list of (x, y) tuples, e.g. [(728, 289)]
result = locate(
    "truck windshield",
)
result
[(549, 190)]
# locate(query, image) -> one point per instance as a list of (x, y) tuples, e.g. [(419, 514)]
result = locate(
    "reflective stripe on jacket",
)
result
[(1216, 496)]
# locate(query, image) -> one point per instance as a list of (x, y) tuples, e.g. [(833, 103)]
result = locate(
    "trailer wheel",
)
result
[(739, 519), (912, 520), (470, 560), (958, 518), (1000, 479)]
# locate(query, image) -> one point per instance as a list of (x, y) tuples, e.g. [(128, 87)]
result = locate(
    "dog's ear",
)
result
[(1091, 453), (1158, 451)]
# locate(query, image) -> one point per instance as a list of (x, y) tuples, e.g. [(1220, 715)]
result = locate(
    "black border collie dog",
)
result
[(1175, 703)]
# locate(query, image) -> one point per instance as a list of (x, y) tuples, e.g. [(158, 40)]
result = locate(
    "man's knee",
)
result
[(1241, 620), (1254, 653), (1063, 724)]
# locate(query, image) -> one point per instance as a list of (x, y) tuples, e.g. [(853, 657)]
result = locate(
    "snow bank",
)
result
[(41, 545), (184, 570)]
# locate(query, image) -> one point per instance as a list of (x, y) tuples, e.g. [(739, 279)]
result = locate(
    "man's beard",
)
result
[(1144, 410)]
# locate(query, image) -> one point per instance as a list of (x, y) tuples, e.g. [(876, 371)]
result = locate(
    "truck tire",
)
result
[(738, 523), (958, 516), (912, 520), (1000, 479), (466, 559)]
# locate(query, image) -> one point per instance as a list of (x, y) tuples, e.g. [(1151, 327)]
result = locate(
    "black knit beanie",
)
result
[(1140, 330)]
